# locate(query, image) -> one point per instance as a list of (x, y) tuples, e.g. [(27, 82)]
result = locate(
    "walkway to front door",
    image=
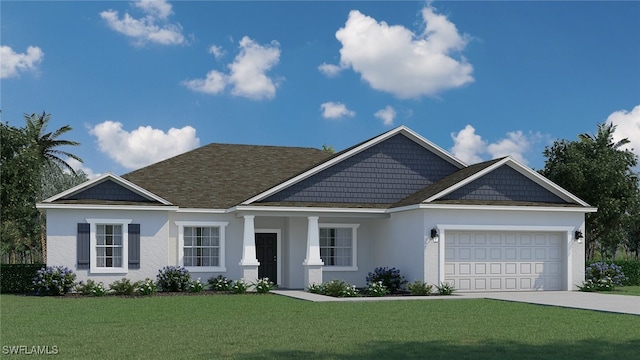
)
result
[(267, 253)]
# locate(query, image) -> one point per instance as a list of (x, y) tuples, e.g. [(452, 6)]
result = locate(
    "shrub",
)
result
[(602, 276), (220, 283), (420, 288), (147, 287), (264, 285), (390, 278), (316, 289), (18, 278), (339, 288), (52, 280), (173, 279), (239, 287), (377, 289), (91, 288), (123, 287), (196, 286), (445, 288), (630, 268)]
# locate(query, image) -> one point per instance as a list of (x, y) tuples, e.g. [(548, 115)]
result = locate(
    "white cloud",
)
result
[(11, 63), (469, 146), (153, 27), (387, 115), (335, 110), (216, 51), (627, 126), (144, 145), (78, 166), (329, 70), (396, 60), (247, 73)]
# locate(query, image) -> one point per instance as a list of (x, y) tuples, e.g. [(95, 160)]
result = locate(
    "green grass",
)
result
[(624, 290), (271, 326)]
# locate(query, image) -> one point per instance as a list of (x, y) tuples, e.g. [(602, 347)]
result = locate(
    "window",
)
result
[(108, 245), (338, 246), (201, 245)]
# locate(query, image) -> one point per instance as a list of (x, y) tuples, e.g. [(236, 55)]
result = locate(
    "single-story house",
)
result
[(301, 216)]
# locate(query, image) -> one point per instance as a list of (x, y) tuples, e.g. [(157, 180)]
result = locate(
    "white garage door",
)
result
[(503, 261)]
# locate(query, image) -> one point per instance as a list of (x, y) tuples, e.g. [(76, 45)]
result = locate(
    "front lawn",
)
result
[(624, 290), (271, 326)]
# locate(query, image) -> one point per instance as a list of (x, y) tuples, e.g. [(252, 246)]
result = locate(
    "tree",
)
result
[(30, 158), (597, 170)]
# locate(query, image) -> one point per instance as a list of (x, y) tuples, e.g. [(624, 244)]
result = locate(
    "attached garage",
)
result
[(504, 260)]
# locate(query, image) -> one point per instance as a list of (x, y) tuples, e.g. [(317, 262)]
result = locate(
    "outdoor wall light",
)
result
[(578, 236), (434, 235)]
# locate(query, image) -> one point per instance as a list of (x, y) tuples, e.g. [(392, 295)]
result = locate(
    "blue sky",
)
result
[(142, 81)]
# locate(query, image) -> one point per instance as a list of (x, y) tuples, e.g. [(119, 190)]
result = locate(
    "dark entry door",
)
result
[(267, 253)]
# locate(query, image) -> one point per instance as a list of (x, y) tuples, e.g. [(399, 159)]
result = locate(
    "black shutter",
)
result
[(83, 246), (134, 246)]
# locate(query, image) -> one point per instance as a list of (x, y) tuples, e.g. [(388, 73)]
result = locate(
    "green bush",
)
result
[(630, 268), (196, 286), (377, 289), (264, 285), (54, 280), (173, 279), (147, 287), (17, 278), (390, 278), (445, 289), (339, 288), (123, 287), (419, 288), (220, 283), (239, 287)]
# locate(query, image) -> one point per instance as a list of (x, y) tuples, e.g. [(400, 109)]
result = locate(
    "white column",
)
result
[(249, 263), (313, 242), (249, 242), (313, 263)]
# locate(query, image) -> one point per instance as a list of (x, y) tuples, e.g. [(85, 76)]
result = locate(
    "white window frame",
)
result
[(219, 224), (354, 246), (93, 242)]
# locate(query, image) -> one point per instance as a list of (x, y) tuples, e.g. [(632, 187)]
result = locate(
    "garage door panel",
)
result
[(503, 261)]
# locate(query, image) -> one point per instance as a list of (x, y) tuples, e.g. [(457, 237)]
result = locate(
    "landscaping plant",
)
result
[(602, 276), (377, 289), (147, 287), (445, 288), (264, 285), (220, 283), (390, 278), (173, 279), (196, 286), (419, 288), (52, 280), (123, 287)]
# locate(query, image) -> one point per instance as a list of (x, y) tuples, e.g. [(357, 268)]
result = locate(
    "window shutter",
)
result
[(83, 245), (134, 246)]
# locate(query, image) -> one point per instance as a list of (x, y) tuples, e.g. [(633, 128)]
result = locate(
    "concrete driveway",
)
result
[(624, 304)]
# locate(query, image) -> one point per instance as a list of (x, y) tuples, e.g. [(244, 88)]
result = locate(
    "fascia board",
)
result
[(588, 209), (47, 206), (131, 186)]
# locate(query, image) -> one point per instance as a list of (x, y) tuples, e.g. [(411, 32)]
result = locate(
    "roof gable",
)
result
[(376, 172), (107, 189)]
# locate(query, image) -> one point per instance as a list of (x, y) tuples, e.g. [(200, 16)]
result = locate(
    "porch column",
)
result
[(313, 263), (249, 263)]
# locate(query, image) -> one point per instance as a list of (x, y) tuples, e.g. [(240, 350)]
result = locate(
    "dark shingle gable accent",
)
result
[(110, 191), (220, 176), (445, 183), (382, 174), (504, 184)]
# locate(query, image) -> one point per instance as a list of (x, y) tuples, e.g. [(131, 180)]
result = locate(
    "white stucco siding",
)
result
[(62, 227), (514, 221), (400, 244)]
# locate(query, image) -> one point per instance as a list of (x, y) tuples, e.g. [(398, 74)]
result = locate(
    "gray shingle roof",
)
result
[(220, 176)]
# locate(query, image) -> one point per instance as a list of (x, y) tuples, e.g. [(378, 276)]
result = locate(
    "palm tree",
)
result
[(45, 147), (47, 143)]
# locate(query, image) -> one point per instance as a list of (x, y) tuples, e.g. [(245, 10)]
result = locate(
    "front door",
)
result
[(267, 253)]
